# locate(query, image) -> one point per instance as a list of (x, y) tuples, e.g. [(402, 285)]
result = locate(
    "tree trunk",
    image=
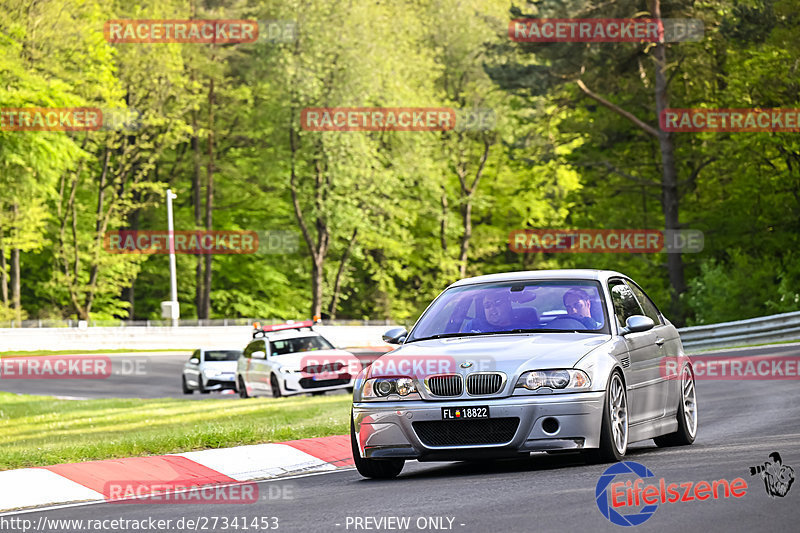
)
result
[(317, 269), (15, 276), (466, 215), (209, 200), (338, 284), (669, 176), (3, 274), (197, 202), (15, 285), (467, 192), (669, 180), (443, 223)]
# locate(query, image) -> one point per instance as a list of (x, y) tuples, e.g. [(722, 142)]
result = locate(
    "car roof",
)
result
[(526, 275), (289, 334)]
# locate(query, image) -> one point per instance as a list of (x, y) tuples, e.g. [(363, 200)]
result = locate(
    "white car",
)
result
[(208, 370), (292, 358)]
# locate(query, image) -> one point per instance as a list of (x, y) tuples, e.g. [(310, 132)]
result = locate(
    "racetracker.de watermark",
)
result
[(397, 119), (56, 367), (180, 492), (599, 30), (181, 31), (194, 242), (730, 120), (218, 31), (721, 367), (377, 119), (50, 119), (605, 241)]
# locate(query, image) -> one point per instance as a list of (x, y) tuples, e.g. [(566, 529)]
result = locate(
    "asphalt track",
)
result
[(741, 423), (133, 375)]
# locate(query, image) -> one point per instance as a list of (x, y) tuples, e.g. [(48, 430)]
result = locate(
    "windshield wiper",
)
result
[(448, 335)]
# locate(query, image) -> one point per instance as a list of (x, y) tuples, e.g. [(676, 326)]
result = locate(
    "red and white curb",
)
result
[(89, 481)]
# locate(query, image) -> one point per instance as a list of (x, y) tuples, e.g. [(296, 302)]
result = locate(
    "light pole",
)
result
[(174, 310)]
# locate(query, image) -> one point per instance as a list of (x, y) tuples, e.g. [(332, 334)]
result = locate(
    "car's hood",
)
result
[(299, 360), (510, 354), (222, 366)]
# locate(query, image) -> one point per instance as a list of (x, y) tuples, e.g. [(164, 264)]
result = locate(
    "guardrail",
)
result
[(168, 338), (191, 322), (765, 329)]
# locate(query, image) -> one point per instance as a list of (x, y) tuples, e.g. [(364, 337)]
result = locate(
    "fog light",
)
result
[(550, 425)]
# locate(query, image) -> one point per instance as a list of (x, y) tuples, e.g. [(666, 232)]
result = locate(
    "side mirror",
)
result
[(260, 354), (395, 335), (194, 361), (638, 323)]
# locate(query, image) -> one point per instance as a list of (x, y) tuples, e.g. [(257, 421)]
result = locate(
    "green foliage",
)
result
[(555, 159)]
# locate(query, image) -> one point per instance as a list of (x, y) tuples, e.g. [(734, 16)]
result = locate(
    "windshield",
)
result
[(299, 344), (223, 355), (573, 305)]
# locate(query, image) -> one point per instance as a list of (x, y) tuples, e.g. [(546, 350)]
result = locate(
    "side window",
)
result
[(248, 350), (262, 346), (195, 355), (649, 307), (625, 304)]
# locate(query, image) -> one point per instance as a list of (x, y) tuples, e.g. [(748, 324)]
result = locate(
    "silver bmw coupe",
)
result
[(507, 364)]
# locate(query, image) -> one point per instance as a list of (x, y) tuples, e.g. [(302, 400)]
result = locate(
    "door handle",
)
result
[(659, 341)]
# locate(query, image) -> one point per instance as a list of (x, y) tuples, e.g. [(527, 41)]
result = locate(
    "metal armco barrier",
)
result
[(168, 338), (765, 329)]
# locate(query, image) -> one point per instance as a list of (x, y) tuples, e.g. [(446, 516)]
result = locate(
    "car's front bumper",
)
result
[(386, 429), (301, 383), (222, 382)]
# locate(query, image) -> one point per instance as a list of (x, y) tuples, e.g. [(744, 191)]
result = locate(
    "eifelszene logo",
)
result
[(630, 503)]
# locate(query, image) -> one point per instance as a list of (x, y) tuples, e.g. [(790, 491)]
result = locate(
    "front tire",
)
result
[(273, 384), (242, 389), (614, 429), (687, 415), (373, 468), (186, 389)]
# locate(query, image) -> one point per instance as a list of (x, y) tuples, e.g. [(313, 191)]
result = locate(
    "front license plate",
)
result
[(465, 413)]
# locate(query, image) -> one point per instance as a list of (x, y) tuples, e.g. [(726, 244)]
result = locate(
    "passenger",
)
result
[(579, 307)]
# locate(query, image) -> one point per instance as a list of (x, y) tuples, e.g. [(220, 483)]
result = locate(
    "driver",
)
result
[(501, 316), (497, 308), (579, 307)]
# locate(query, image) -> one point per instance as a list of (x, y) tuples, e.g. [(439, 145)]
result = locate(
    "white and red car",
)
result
[(292, 358)]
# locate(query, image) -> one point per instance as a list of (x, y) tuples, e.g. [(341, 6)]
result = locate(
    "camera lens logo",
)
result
[(603, 498), (778, 477)]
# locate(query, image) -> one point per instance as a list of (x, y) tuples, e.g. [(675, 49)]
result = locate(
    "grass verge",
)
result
[(40, 430)]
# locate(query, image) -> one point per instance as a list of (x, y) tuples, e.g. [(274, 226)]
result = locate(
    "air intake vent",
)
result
[(450, 385), (466, 432), (481, 384), (625, 361)]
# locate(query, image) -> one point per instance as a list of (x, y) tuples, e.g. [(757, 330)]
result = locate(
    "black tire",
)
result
[(318, 393), (373, 468), (241, 389), (349, 390), (608, 452), (273, 384), (682, 437), (201, 387), (186, 389)]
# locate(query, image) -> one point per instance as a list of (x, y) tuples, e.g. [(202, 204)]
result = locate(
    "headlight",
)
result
[(554, 379), (384, 387), (211, 372)]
